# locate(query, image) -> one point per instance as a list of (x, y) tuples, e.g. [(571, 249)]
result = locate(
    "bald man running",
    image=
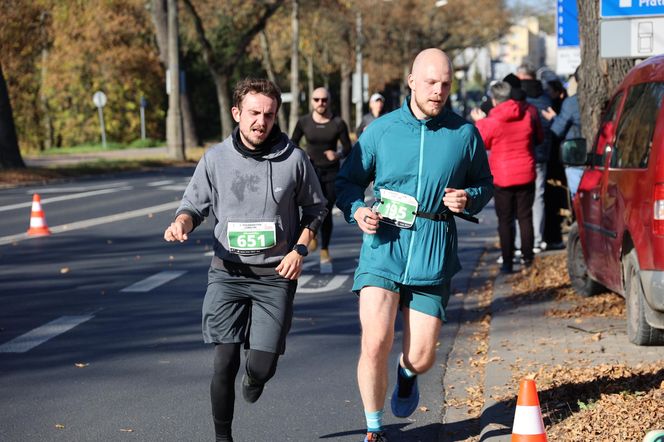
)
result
[(425, 162), (323, 132)]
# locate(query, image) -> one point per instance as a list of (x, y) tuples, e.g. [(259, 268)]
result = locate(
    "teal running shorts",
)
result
[(428, 299)]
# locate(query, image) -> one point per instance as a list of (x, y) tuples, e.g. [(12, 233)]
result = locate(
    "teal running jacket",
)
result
[(419, 158)]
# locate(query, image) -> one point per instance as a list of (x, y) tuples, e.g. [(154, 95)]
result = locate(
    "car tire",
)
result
[(577, 269), (639, 332)]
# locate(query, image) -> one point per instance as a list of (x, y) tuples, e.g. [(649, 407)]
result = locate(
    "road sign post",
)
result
[(144, 104), (99, 99)]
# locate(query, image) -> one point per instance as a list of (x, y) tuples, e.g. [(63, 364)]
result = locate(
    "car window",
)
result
[(605, 133), (637, 125)]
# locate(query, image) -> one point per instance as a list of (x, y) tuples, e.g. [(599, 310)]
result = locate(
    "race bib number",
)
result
[(251, 238), (397, 209)]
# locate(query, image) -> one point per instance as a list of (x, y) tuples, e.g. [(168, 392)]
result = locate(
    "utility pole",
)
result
[(174, 138), (358, 69)]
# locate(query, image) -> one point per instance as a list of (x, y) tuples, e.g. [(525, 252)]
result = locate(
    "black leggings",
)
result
[(260, 367), (326, 227)]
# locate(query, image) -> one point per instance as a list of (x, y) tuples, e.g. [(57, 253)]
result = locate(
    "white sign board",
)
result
[(568, 58), (632, 37), (99, 99)]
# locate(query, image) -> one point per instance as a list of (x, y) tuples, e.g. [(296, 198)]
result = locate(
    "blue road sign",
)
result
[(567, 18), (631, 8)]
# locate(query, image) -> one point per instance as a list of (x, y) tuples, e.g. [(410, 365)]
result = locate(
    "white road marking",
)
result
[(33, 338), (65, 197), (85, 188), (176, 187), (334, 284), (303, 279), (154, 281), (160, 183), (95, 221)]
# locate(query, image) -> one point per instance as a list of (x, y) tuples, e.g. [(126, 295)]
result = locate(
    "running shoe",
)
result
[(251, 391), (375, 436), (325, 256), (405, 396)]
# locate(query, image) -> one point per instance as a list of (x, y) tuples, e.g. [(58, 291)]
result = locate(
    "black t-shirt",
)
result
[(322, 137)]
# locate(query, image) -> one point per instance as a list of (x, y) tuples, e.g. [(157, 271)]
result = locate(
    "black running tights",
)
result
[(261, 366)]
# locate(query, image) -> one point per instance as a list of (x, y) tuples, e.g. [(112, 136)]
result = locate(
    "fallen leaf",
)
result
[(127, 430), (59, 426), (64, 270), (424, 409), (81, 364)]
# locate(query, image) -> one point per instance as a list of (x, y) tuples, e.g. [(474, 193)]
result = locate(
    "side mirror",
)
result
[(573, 152)]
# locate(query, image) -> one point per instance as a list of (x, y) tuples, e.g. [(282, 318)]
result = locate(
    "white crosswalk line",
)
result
[(303, 279), (154, 281), (334, 284), (33, 338), (160, 183)]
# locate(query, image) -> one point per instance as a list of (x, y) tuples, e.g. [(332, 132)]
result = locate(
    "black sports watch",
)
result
[(301, 249)]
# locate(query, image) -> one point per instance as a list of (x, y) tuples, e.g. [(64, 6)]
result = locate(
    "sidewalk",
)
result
[(54, 160), (524, 338)]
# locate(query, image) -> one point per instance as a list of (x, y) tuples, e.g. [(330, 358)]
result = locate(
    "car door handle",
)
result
[(594, 196)]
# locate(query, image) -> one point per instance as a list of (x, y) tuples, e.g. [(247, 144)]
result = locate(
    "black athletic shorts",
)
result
[(254, 310)]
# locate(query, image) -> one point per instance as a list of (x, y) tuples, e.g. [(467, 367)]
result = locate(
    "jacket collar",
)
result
[(434, 123)]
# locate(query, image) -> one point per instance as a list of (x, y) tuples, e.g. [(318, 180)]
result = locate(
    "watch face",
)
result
[(301, 249)]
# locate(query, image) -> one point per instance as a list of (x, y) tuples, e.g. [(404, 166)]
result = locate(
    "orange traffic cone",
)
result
[(528, 424), (37, 220)]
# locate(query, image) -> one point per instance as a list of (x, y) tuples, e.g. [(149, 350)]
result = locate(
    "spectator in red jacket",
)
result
[(508, 134)]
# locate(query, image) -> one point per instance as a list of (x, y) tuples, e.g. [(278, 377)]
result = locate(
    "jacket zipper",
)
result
[(418, 198)]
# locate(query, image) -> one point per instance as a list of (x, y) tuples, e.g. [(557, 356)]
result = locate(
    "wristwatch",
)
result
[(301, 249)]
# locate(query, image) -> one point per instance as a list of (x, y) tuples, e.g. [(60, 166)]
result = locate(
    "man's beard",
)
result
[(426, 109), (253, 138)]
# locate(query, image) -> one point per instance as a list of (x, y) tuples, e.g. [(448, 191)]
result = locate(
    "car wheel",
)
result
[(576, 266), (639, 331)]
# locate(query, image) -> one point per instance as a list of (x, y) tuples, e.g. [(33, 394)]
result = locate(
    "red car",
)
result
[(617, 240)]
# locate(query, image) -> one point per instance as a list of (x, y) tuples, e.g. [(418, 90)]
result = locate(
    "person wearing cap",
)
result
[(376, 105), (323, 132)]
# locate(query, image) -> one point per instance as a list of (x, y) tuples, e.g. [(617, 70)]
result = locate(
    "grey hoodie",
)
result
[(239, 188)]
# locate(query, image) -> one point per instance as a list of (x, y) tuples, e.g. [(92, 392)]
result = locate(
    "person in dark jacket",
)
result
[(266, 204), (376, 105), (536, 96)]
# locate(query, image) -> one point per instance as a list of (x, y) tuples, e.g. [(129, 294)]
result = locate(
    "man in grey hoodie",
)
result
[(254, 183)]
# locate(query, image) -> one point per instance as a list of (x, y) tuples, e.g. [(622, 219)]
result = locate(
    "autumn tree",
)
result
[(224, 32), (102, 45), (10, 155), (159, 14), (599, 76)]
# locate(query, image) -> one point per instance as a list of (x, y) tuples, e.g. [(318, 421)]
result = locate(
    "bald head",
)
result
[(430, 81), (320, 101)]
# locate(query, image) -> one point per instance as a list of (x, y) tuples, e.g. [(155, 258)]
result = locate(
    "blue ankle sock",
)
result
[(374, 420), (407, 373)]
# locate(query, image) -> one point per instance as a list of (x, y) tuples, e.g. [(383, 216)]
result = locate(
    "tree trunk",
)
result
[(159, 13), (10, 155), (599, 76), (346, 73), (174, 116), (223, 96), (267, 65), (47, 121), (295, 67), (310, 79)]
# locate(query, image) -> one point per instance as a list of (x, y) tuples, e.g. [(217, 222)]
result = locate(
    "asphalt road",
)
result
[(100, 326)]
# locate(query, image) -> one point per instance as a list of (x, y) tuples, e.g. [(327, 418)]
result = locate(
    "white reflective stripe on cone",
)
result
[(36, 222), (528, 420), (36, 206)]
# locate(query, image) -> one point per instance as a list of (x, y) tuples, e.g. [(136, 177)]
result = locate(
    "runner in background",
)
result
[(323, 132)]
